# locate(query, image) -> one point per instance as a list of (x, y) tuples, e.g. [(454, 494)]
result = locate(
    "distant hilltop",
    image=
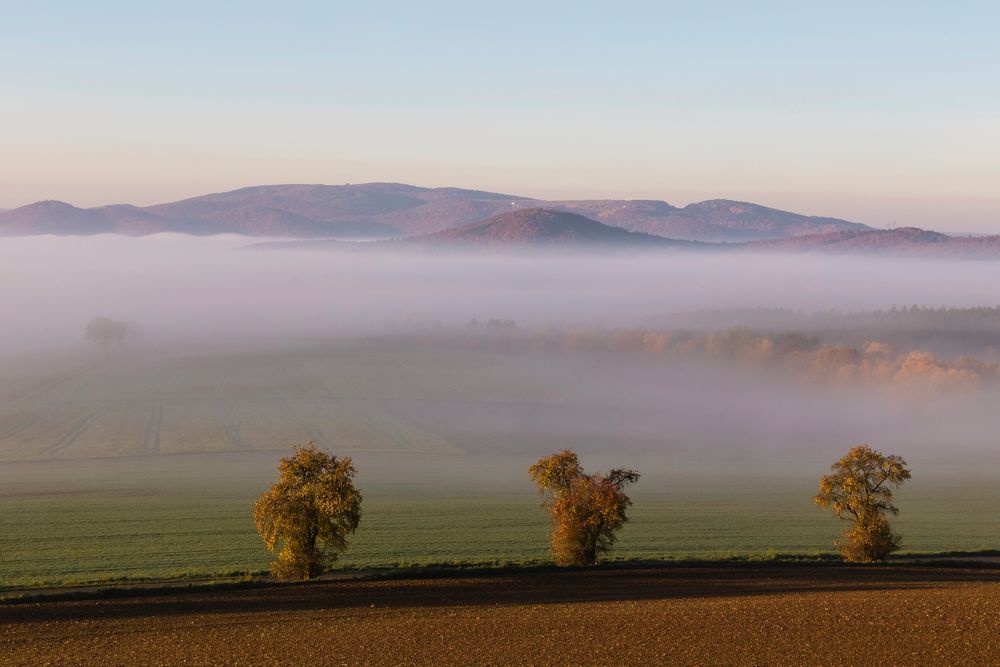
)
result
[(545, 227), (390, 210)]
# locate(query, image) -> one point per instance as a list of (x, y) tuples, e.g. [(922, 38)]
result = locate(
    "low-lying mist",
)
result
[(184, 289), (372, 352)]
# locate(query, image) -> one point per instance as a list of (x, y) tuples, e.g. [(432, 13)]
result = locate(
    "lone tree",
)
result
[(586, 510), (106, 332), (310, 510), (859, 489)]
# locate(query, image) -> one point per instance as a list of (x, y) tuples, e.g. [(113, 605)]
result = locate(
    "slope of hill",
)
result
[(715, 220), (368, 210), (53, 217), (900, 241), (521, 228), (544, 227), (305, 211), (382, 210), (135, 221), (62, 219)]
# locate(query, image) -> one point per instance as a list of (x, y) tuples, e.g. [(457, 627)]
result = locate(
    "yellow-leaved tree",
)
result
[(310, 511), (587, 510), (859, 489)]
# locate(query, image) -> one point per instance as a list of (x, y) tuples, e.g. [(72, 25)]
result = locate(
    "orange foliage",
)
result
[(859, 489), (587, 510), (874, 363)]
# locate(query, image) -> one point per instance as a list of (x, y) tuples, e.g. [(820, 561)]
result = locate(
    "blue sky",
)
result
[(880, 112)]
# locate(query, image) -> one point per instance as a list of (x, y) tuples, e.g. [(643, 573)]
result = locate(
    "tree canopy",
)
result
[(310, 511), (859, 489), (587, 510)]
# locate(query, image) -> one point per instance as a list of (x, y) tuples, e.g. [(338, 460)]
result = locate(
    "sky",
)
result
[(886, 113)]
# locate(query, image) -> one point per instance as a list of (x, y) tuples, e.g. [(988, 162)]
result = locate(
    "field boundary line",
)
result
[(151, 436), (80, 428)]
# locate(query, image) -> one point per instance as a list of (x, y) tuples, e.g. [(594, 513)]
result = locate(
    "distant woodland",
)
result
[(834, 349)]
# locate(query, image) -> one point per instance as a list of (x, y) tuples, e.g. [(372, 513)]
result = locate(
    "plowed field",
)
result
[(744, 615)]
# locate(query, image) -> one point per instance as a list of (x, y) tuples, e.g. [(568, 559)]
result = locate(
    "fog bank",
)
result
[(179, 288)]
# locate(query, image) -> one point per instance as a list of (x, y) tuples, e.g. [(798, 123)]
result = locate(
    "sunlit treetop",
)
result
[(861, 484)]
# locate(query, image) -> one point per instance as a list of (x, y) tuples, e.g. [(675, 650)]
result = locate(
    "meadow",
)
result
[(190, 517), (147, 465)]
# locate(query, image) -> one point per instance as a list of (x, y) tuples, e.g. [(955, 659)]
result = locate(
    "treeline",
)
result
[(874, 363), (896, 319)]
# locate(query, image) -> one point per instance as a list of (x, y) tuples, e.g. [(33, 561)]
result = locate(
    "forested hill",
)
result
[(383, 210)]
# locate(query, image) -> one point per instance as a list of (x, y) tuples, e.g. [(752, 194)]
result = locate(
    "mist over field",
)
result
[(183, 289), (238, 324), (629, 359)]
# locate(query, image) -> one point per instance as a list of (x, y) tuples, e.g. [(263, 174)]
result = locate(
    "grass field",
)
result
[(147, 466), (190, 516), (178, 403)]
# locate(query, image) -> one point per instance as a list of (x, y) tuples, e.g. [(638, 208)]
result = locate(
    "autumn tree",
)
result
[(859, 489), (587, 510), (310, 511)]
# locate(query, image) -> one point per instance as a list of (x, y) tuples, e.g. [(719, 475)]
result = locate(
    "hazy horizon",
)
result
[(179, 286)]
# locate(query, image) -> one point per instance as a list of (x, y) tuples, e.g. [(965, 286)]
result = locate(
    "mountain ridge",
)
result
[(388, 210)]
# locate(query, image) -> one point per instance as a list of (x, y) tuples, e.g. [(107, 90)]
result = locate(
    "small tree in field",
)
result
[(310, 510), (105, 332), (859, 489), (587, 510)]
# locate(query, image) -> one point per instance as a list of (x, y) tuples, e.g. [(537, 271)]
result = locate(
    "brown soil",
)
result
[(745, 615)]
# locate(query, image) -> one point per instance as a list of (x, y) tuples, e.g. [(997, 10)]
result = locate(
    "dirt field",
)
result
[(748, 615)]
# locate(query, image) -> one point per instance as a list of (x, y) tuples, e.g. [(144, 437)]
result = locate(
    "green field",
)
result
[(232, 401), (147, 466), (190, 516)]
